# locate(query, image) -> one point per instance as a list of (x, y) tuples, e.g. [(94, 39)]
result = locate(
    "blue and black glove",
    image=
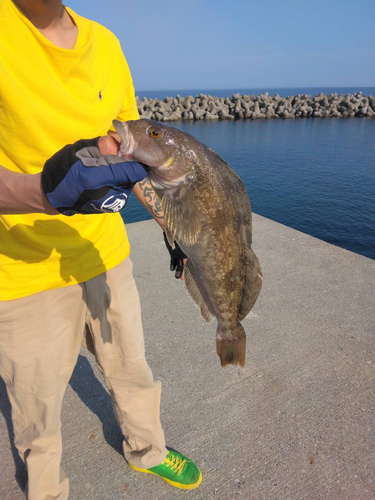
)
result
[(79, 180)]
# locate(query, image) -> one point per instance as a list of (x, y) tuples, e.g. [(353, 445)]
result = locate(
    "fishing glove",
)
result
[(79, 180), (177, 256)]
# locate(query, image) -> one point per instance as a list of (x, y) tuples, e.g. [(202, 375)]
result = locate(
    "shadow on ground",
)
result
[(91, 392), (5, 408), (96, 398)]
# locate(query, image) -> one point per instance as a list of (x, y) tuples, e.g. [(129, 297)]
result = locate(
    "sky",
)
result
[(222, 44)]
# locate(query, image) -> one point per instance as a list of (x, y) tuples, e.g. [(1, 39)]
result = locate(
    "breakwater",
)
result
[(262, 106)]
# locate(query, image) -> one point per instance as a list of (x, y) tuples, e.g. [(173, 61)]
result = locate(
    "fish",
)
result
[(208, 213)]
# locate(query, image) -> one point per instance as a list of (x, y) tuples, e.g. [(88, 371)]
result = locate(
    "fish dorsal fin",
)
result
[(253, 273), (197, 292), (181, 215), (239, 190), (252, 285)]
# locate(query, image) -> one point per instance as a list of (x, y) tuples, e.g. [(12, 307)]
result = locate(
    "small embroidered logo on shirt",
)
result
[(100, 95)]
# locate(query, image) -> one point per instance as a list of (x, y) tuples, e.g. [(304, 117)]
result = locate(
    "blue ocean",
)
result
[(316, 175)]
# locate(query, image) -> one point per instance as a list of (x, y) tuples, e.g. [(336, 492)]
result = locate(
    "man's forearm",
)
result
[(143, 189), (22, 194), (146, 195)]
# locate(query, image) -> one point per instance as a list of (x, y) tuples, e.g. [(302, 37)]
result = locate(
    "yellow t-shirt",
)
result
[(50, 97)]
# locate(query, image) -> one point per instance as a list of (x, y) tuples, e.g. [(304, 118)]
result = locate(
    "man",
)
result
[(65, 273)]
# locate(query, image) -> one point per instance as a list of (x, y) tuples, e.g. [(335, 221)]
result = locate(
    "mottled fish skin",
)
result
[(207, 211)]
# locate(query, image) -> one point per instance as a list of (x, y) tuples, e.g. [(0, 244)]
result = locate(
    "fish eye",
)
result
[(154, 133)]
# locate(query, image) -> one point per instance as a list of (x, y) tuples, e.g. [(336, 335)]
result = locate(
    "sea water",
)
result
[(316, 175)]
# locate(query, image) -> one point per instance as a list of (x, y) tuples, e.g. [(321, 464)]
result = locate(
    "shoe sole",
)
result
[(172, 483)]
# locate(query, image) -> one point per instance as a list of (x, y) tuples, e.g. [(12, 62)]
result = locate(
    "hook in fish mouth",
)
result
[(168, 163)]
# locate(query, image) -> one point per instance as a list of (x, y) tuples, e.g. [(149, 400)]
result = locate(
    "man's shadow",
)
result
[(96, 398), (83, 380), (92, 394), (5, 409)]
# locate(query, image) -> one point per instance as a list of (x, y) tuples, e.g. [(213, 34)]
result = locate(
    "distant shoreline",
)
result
[(262, 106)]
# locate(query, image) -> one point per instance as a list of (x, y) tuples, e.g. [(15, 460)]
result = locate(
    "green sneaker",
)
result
[(177, 470)]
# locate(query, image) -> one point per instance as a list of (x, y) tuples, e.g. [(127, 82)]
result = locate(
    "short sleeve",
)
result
[(129, 109)]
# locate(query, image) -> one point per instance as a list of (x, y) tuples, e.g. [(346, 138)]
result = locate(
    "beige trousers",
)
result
[(40, 338)]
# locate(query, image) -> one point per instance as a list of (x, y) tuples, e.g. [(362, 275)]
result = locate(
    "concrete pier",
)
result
[(297, 423)]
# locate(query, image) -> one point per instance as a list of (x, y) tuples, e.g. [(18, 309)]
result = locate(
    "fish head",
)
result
[(169, 154)]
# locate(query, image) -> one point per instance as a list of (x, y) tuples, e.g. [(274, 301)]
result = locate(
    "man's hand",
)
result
[(178, 259), (87, 177)]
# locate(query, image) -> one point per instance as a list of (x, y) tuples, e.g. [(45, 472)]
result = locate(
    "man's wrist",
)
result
[(41, 198), (23, 194)]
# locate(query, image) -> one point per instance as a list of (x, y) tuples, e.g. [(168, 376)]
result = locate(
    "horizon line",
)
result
[(256, 88)]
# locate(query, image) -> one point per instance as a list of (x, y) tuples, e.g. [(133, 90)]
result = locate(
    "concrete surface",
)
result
[(296, 423)]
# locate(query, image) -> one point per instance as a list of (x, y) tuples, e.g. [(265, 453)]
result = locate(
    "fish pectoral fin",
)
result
[(197, 292), (181, 215)]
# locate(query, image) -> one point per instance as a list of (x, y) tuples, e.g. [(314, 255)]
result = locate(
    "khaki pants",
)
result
[(40, 338)]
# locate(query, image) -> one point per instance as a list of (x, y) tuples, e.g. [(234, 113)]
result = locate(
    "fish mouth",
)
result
[(128, 142)]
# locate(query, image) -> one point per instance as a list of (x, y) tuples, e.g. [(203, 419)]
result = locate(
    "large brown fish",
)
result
[(207, 211)]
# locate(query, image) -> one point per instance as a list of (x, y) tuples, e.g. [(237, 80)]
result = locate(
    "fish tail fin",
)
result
[(231, 346)]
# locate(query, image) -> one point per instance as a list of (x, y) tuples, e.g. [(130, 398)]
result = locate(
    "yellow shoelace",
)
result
[(176, 464)]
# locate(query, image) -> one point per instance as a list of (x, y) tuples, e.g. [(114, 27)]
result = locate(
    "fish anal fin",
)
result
[(169, 237), (197, 292)]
